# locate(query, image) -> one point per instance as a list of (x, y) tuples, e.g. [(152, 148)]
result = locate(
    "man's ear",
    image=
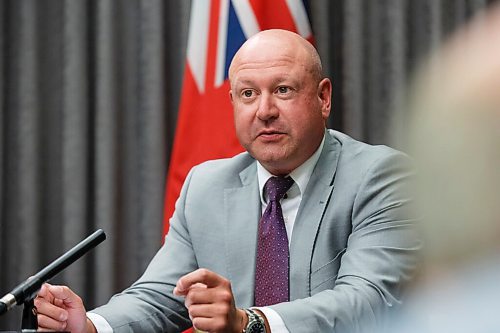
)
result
[(231, 96), (325, 96)]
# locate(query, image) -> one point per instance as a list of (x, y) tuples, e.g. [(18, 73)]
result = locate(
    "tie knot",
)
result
[(276, 187)]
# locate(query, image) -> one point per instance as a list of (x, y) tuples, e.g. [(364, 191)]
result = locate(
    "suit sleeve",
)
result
[(149, 304), (380, 257)]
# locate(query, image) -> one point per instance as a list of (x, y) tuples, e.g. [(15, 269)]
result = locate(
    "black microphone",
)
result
[(28, 289)]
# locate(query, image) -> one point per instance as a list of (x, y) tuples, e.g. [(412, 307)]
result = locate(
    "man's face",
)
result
[(280, 108)]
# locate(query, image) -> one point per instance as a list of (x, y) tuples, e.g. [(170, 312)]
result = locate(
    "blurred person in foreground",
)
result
[(455, 139), (352, 246)]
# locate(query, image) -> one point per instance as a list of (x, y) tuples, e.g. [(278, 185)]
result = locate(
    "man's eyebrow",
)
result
[(244, 81)]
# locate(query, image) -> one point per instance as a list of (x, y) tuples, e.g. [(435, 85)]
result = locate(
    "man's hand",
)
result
[(210, 302), (60, 309)]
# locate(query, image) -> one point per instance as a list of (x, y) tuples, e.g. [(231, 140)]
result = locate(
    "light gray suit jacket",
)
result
[(352, 247)]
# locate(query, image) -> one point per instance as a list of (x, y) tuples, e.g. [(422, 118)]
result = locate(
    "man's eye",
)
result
[(283, 90), (247, 93)]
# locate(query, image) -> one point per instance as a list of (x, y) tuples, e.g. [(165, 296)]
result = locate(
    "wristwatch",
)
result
[(255, 322)]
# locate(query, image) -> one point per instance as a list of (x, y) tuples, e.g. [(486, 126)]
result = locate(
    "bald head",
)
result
[(266, 45)]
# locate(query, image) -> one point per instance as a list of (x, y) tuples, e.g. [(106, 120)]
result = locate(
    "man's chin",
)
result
[(274, 163), (270, 157)]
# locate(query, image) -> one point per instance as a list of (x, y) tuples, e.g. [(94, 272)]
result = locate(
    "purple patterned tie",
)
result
[(272, 267)]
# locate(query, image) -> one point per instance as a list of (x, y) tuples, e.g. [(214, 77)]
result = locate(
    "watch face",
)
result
[(257, 328)]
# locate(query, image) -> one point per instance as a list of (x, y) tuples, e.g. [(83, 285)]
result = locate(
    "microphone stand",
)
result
[(26, 292), (29, 321)]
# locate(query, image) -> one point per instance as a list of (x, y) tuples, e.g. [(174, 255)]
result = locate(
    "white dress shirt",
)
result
[(290, 206)]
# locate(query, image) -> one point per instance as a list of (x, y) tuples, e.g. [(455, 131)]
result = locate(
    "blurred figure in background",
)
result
[(455, 139)]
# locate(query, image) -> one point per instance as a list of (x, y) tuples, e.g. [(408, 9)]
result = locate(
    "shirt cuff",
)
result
[(276, 324), (101, 324)]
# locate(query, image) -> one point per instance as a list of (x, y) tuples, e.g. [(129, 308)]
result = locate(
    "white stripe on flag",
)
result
[(198, 41), (299, 15), (221, 43), (247, 18)]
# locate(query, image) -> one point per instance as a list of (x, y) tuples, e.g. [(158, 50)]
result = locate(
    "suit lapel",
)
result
[(242, 212), (309, 217)]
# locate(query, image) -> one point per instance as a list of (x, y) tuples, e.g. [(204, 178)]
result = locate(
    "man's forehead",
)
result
[(264, 63), (275, 72), (259, 63)]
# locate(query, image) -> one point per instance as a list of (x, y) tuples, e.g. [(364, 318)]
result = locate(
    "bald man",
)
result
[(327, 254)]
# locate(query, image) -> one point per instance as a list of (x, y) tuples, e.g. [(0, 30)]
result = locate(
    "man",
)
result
[(344, 225)]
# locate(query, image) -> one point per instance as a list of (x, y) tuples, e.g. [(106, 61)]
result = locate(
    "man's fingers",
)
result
[(200, 296), (194, 289), (48, 309), (207, 310), (66, 295), (58, 302), (198, 285), (209, 300), (207, 324), (61, 292), (47, 323), (209, 296), (44, 292), (185, 292), (202, 275)]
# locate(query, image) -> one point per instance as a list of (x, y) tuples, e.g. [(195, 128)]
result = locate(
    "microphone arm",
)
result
[(28, 289)]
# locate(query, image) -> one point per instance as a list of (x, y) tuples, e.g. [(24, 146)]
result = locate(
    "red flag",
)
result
[(205, 128)]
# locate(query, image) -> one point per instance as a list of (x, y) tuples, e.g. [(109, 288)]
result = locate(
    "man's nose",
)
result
[(267, 108)]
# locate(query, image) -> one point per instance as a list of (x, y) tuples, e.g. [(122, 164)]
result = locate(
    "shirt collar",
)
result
[(300, 175)]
